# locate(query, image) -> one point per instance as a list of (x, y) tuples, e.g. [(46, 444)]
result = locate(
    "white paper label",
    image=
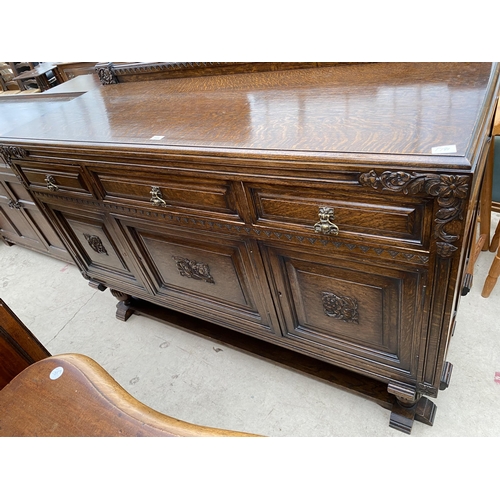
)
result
[(157, 137), (441, 150), (56, 373)]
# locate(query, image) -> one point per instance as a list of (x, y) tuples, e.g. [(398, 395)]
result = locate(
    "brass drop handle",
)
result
[(156, 197), (15, 204), (325, 224), (51, 183)]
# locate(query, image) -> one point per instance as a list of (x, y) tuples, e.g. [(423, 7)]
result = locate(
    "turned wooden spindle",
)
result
[(492, 277)]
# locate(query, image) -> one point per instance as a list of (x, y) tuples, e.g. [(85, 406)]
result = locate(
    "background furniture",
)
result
[(492, 191), (70, 395), (19, 68), (19, 348), (46, 75), (328, 210), (70, 70)]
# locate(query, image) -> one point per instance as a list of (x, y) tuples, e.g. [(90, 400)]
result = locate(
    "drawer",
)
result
[(54, 177), (189, 194), (341, 213)]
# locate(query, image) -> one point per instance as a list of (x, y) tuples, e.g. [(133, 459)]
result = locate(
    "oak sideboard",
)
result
[(327, 210)]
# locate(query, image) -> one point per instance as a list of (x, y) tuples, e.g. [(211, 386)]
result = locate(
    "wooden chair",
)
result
[(493, 246), (71, 395)]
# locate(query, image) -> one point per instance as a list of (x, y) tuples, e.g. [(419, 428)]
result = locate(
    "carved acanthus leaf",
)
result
[(451, 192), (106, 75), (9, 152), (193, 269), (95, 243)]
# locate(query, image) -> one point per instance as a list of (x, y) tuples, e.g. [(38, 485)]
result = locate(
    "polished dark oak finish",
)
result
[(324, 210)]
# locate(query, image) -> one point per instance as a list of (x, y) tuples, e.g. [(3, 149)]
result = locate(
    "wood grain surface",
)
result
[(391, 108)]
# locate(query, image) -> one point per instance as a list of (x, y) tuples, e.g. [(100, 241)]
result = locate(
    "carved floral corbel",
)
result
[(450, 190), (106, 75), (9, 153), (12, 152)]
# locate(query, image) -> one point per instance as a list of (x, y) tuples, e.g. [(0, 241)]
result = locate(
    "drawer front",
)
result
[(164, 191), (211, 277), (341, 213), (360, 316), (54, 177)]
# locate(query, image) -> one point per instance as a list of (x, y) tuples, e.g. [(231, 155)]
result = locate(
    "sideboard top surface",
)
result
[(364, 109)]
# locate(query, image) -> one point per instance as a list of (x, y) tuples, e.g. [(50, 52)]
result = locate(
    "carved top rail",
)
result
[(112, 72)]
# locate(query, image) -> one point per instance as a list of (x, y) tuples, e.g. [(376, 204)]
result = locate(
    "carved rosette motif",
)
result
[(192, 269), (340, 307), (450, 190), (95, 243)]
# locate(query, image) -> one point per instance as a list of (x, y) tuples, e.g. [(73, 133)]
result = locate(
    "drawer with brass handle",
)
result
[(55, 178), (178, 193), (340, 214)]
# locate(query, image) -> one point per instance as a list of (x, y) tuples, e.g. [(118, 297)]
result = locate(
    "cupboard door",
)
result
[(97, 247), (14, 225), (357, 315), (22, 223), (213, 277)]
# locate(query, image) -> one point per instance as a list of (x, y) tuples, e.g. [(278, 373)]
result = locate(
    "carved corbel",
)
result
[(106, 75), (451, 192), (9, 153)]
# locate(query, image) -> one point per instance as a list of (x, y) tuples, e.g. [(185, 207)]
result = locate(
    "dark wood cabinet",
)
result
[(22, 223), (327, 210)]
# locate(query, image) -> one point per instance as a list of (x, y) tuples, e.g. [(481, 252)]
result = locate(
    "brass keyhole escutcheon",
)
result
[(325, 224)]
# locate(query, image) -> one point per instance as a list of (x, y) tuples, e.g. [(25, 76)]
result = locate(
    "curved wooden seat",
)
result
[(71, 395)]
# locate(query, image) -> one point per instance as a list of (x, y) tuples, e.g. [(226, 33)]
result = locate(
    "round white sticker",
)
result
[(56, 373)]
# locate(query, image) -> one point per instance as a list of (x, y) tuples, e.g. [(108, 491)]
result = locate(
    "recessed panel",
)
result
[(351, 312), (206, 275), (205, 269)]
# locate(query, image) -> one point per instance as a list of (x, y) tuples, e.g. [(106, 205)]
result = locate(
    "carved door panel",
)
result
[(358, 315), (14, 226), (210, 276), (97, 247)]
